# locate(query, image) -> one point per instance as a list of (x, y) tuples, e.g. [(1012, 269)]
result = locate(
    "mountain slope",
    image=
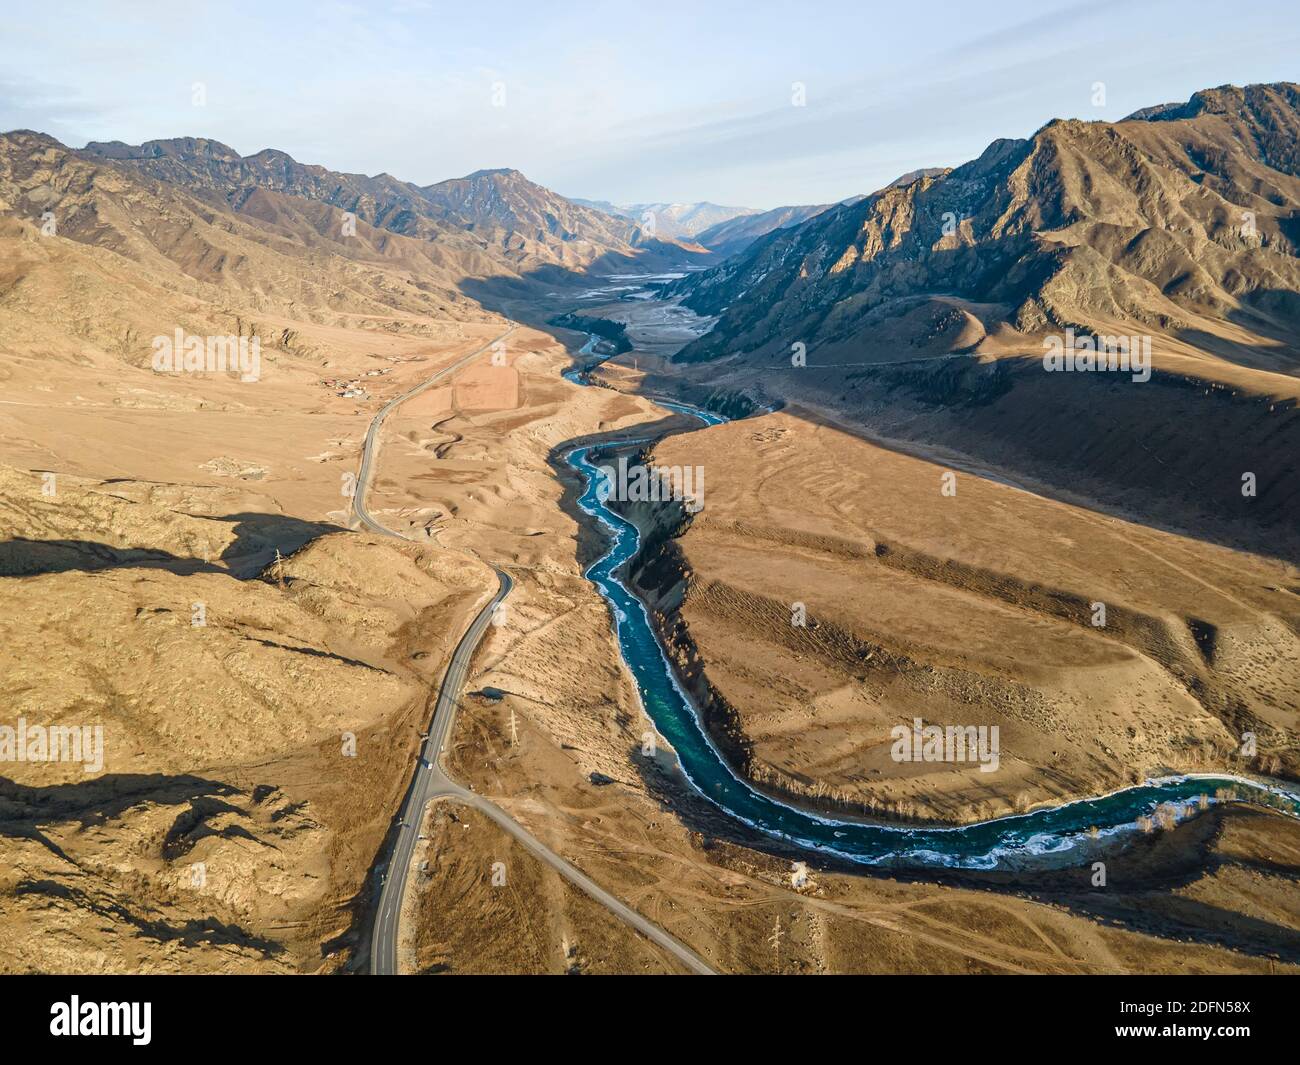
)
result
[(517, 224), (129, 255), (206, 166), (526, 219), (736, 234), (924, 312), (1159, 223)]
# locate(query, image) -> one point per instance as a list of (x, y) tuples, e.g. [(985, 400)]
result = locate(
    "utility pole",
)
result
[(775, 940), (514, 729)]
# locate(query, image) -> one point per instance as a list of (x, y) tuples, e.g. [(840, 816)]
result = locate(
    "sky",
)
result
[(754, 104)]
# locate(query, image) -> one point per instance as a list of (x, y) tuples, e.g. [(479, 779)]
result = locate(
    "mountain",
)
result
[(738, 233), (209, 167), (134, 253), (521, 224), (1161, 222), (673, 221), (187, 232), (924, 313), (907, 179), (523, 217)]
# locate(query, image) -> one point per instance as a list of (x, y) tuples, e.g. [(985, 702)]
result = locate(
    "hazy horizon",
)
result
[(684, 106)]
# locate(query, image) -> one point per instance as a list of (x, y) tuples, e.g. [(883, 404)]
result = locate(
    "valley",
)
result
[(255, 585)]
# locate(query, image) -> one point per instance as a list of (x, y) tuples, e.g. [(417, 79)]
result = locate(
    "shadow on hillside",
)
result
[(1273, 313), (25, 810), (1169, 454), (257, 537), (1270, 314), (26, 558), (207, 931), (98, 798)]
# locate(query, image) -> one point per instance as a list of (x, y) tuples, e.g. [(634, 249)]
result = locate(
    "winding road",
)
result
[(431, 780), (371, 447)]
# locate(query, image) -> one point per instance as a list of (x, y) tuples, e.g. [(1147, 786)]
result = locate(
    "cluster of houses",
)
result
[(352, 389)]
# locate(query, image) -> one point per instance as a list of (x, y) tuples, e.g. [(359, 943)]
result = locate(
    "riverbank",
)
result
[(556, 736)]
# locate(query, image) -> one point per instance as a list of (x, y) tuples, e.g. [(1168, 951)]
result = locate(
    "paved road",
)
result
[(431, 781)]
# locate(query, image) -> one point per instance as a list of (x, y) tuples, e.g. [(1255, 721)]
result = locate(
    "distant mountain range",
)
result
[(500, 211), (722, 230), (188, 232), (1180, 215), (737, 233), (672, 221)]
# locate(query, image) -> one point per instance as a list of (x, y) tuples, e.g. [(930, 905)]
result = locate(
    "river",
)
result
[(1046, 835)]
